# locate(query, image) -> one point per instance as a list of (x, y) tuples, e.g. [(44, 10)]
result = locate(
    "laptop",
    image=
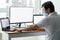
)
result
[(5, 24)]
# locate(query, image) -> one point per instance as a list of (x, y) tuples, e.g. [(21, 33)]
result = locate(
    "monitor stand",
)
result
[(19, 25)]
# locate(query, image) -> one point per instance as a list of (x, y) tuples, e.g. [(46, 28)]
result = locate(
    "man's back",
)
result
[(53, 23), (53, 26)]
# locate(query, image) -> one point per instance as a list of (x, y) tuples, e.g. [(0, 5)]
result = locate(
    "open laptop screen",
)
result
[(5, 24)]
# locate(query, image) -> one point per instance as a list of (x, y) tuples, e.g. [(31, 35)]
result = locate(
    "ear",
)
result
[(48, 10)]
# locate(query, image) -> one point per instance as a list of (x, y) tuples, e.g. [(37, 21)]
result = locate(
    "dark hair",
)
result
[(50, 5)]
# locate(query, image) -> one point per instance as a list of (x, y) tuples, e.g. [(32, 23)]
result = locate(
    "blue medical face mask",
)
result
[(44, 14)]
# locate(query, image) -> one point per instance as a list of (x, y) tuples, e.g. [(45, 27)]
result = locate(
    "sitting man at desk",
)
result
[(49, 10)]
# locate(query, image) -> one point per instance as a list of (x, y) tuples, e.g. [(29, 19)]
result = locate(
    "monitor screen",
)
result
[(21, 14), (38, 19)]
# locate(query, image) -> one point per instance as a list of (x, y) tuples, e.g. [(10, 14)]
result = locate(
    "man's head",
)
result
[(48, 7)]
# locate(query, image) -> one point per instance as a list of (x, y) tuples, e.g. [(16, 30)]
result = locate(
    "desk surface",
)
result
[(33, 31), (15, 34)]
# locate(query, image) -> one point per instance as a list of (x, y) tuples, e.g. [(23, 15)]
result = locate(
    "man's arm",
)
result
[(32, 27), (41, 24)]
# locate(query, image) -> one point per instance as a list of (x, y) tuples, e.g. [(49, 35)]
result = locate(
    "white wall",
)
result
[(57, 5), (43, 1)]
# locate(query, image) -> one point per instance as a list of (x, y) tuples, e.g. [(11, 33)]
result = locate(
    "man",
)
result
[(48, 9), (46, 23)]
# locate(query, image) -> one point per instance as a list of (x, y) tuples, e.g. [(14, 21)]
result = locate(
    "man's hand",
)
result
[(32, 27)]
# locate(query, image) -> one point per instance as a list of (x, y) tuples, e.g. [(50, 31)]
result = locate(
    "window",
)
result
[(3, 4), (28, 3), (3, 15)]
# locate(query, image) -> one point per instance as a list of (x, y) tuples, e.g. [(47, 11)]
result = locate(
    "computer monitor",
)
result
[(21, 14), (38, 19)]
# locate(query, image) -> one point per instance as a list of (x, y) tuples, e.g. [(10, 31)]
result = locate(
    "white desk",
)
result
[(8, 35)]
